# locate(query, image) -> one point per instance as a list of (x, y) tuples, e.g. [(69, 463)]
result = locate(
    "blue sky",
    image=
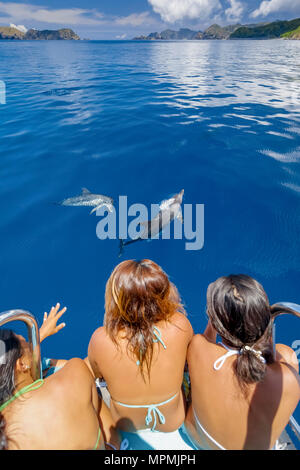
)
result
[(124, 19)]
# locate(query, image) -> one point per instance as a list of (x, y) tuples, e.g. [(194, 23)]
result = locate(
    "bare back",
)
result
[(61, 415), (234, 420), (124, 380)]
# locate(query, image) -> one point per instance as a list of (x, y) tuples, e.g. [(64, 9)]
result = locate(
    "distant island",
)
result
[(213, 32), (10, 33), (276, 29)]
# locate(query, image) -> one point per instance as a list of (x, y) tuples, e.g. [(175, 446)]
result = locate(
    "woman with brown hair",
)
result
[(243, 394), (141, 350)]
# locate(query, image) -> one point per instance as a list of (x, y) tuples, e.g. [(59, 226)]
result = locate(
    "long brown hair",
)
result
[(138, 295)]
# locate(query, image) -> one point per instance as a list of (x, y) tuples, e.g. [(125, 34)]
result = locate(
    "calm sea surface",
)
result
[(219, 119)]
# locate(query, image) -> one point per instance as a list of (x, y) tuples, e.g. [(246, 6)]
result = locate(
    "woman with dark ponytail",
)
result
[(243, 393)]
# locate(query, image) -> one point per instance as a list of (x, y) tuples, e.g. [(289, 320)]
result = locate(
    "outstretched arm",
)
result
[(49, 326)]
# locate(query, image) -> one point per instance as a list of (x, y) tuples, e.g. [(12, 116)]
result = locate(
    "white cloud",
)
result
[(271, 6), (14, 12), (121, 36), (174, 10), (235, 11), (134, 19), (19, 27)]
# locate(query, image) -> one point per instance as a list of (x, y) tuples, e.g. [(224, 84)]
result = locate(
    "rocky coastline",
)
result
[(11, 33), (274, 30)]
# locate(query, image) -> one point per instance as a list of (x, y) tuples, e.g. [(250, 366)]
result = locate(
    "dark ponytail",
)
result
[(239, 310), (13, 352), (250, 365)]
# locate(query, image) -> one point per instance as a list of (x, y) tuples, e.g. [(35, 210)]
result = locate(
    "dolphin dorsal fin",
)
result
[(85, 191)]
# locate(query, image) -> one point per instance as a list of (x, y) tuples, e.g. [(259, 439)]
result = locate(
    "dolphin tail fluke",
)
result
[(121, 248), (93, 210), (56, 203)]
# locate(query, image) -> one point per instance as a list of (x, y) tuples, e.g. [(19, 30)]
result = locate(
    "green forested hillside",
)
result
[(268, 31), (292, 34)]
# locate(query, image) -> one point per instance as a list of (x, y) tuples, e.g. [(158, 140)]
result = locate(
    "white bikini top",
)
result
[(233, 352)]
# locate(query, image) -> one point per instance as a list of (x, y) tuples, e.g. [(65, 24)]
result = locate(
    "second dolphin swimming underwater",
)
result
[(89, 199)]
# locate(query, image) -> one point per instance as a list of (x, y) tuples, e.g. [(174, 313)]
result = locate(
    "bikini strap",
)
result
[(34, 386), (157, 334), (230, 352), (98, 439), (153, 411), (233, 352), (205, 432), (123, 446)]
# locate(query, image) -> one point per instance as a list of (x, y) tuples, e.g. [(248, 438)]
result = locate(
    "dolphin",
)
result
[(169, 210), (90, 200)]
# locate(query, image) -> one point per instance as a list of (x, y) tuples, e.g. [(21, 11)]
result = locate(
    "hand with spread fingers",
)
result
[(49, 326)]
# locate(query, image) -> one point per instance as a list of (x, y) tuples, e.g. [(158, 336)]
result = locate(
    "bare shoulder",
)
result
[(74, 380), (98, 339), (182, 323), (286, 367), (198, 344), (99, 348), (287, 355), (291, 383), (75, 370), (99, 333)]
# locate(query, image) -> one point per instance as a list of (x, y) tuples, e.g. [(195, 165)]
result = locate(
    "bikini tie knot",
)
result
[(153, 413)]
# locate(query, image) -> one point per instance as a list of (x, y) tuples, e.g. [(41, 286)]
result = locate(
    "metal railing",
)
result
[(295, 308), (33, 336), (295, 427)]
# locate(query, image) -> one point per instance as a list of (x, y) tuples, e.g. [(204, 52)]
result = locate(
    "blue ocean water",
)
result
[(220, 119)]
